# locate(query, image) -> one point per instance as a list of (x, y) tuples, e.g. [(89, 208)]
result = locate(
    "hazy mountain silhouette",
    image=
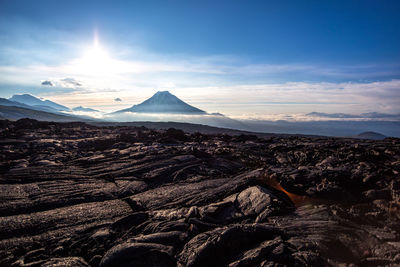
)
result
[(163, 102), (18, 112), (36, 102), (369, 115), (9, 103), (83, 109), (331, 115), (370, 135)]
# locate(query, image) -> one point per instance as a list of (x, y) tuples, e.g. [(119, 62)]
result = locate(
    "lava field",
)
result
[(74, 194)]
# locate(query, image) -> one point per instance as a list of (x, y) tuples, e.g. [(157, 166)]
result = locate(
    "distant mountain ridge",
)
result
[(83, 109), (12, 112), (163, 102), (369, 135), (10, 103), (368, 115), (31, 100)]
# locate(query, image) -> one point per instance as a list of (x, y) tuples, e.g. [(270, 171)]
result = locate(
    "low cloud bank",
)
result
[(362, 116), (320, 116), (216, 120)]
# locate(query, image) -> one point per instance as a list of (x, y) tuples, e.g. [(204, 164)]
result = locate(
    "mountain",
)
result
[(163, 102), (12, 112), (6, 102), (370, 135), (16, 113), (9, 103), (83, 109), (45, 108), (36, 102)]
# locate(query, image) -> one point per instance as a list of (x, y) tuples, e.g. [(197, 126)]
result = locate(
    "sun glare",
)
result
[(95, 60), (95, 57), (97, 63)]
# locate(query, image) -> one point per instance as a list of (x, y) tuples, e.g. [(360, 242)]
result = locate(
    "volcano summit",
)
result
[(163, 102)]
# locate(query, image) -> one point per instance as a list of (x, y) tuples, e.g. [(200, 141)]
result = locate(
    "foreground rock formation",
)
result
[(72, 194)]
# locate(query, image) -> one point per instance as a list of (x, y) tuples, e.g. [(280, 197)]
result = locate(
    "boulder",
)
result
[(138, 254), (218, 246)]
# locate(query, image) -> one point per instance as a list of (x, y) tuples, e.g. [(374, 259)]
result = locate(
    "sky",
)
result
[(240, 58)]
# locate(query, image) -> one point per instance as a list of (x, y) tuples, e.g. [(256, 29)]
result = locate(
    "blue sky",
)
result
[(226, 56)]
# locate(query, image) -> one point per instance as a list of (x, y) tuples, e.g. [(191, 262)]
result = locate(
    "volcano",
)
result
[(163, 102)]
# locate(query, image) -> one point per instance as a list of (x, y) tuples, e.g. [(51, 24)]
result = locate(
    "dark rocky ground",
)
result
[(78, 195)]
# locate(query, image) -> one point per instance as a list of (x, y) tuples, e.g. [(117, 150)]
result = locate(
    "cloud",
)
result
[(118, 99), (48, 83), (70, 82)]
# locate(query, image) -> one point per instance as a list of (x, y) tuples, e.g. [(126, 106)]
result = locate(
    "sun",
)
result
[(95, 57), (94, 61)]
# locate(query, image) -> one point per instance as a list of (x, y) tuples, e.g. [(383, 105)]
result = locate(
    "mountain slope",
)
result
[(9, 103), (16, 113), (163, 102), (34, 101), (6, 102)]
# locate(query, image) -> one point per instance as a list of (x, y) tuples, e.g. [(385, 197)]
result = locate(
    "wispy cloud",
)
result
[(70, 82), (65, 83)]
